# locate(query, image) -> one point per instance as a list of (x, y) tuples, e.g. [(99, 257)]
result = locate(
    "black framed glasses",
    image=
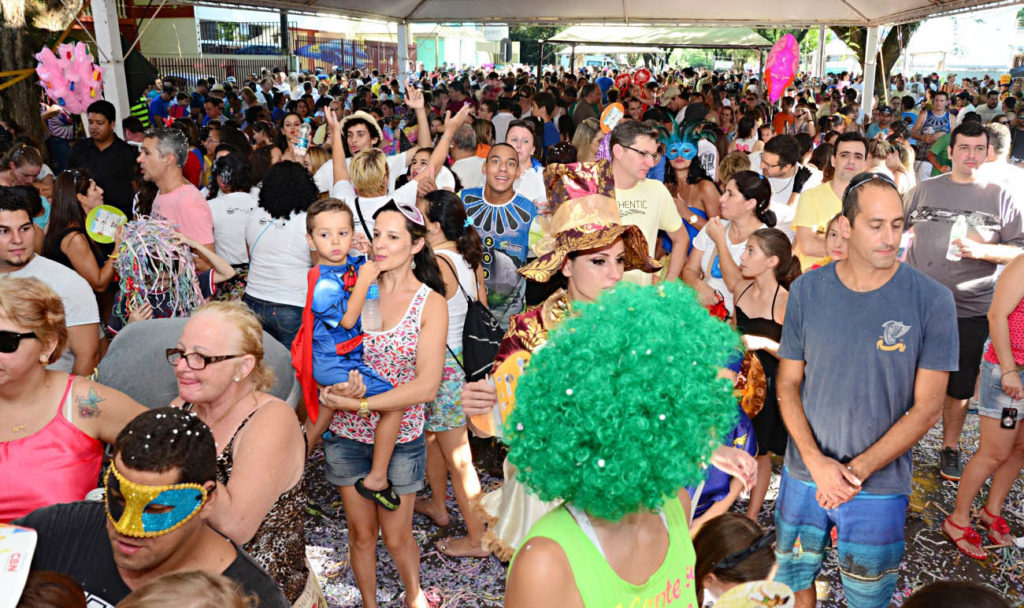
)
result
[(10, 340), (654, 156), (196, 361)]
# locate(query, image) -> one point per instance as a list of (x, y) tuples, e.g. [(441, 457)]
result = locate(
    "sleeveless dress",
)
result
[(768, 426), (599, 585), (60, 454), (393, 354), (279, 545)]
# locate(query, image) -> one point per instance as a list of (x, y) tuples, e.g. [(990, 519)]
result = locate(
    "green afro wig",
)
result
[(622, 407)]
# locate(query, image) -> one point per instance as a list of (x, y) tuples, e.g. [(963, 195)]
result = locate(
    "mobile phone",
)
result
[(1009, 418)]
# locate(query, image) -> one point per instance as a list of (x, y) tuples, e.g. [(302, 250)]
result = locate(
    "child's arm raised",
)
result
[(368, 273), (222, 271)]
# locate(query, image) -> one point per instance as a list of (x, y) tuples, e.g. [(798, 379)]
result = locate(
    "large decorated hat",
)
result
[(586, 218)]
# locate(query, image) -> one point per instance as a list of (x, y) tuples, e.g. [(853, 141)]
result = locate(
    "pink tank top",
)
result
[(1016, 322), (58, 463)]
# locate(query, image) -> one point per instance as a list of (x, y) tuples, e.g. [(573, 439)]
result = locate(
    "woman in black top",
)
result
[(767, 266), (75, 194)]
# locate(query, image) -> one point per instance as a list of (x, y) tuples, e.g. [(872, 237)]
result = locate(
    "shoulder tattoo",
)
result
[(89, 407)]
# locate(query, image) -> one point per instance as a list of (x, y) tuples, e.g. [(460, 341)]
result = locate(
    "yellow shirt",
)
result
[(814, 209), (649, 206)]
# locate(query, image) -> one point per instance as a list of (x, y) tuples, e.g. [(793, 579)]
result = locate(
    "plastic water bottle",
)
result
[(958, 232), (371, 309), (303, 144)]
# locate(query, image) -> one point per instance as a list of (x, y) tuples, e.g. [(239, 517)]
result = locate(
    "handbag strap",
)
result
[(359, 211)]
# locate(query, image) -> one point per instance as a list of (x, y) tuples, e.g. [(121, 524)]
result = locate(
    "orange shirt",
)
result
[(782, 122)]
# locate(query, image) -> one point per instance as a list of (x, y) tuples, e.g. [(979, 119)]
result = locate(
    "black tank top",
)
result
[(758, 326), (60, 257)]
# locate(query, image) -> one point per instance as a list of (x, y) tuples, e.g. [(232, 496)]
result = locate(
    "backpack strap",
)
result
[(359, 212)]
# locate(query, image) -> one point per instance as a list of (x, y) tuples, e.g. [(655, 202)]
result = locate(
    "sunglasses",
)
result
[(10, 340), (411, 213), (863, 178)]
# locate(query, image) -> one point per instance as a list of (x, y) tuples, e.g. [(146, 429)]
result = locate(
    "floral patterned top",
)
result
[(392, 354)]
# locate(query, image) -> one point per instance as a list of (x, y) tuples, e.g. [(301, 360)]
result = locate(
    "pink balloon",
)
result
[(781, 68)]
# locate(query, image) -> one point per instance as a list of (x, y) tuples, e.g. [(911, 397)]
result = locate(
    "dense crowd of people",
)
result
[(661, 302)]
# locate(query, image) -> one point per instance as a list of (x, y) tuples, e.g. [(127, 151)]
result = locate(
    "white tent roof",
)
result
[(685, 37), (728, 12), (591, 49)]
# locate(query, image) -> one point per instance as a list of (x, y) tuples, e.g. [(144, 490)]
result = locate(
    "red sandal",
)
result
[(970, 535), (997, 525)]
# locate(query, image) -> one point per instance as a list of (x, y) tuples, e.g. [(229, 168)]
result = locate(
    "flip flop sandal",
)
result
[(970, 535), (997, 525), (385, 498)]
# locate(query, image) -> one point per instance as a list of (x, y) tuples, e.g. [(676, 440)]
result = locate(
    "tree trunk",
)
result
[(888, 51), (20, 102), (25, 26)]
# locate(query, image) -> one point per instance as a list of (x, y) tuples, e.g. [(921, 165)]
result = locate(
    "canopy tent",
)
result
[(598, 49), (792, 13), (663, 37), (733, 13)]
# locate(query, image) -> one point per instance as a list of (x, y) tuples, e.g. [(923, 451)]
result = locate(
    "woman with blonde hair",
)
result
[(222, 378), (196, 589), (586, 140), (52, 425), (315, 158), (733, 163)]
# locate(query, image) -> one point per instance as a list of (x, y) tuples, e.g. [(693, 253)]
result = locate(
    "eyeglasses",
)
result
[(654, 156), (1003, 122), (10, 340), (195, 361)]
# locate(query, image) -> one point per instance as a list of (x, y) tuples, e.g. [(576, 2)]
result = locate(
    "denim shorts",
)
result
[(348, 461), (870, 541), (993, 399)]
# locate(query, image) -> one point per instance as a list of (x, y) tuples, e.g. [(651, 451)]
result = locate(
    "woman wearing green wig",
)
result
[(615, 416)]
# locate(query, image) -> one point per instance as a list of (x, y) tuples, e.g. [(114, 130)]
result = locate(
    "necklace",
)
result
[(231, 409), (18, 428)]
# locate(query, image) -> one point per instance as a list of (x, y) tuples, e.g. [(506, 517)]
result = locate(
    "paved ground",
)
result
[(480, 583)]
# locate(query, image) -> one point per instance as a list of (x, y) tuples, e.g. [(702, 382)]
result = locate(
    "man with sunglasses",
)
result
[(646, 203), (968, 267), (160, 490), (19, 259), (856, 396)]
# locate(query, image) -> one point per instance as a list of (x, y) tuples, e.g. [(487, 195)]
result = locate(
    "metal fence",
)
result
[(188, 69)]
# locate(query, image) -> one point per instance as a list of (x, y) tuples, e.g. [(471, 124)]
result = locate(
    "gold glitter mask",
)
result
[(146, 511)]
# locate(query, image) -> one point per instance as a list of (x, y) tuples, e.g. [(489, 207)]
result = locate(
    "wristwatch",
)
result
[(364, 408)]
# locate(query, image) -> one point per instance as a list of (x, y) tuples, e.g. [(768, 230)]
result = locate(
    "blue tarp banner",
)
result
[(335, 52)]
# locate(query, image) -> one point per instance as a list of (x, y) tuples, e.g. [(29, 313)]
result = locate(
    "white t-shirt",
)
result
[(704, 243), (324, 176), (279, 258), (470, 171), (230, 212), (500, 122), (531, 184), (782, 187), (75, 293), (369, 205)]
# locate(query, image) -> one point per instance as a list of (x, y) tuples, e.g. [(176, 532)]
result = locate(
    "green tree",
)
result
[(889, 49), (25, 26), (529, 38)]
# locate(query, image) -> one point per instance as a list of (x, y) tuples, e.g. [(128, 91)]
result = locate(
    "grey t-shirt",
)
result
[(862, 351), (993, 216)]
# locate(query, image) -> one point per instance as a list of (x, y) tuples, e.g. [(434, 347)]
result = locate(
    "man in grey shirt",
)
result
[(994, 237), (856, 395)]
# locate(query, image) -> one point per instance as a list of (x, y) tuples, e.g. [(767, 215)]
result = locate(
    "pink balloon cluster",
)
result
[(781, 67), (70, 77)]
